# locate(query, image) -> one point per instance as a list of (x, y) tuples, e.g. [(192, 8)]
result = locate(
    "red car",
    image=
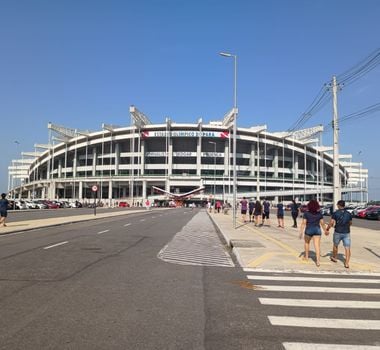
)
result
[(51, 205), (363, 213), (124, 205)]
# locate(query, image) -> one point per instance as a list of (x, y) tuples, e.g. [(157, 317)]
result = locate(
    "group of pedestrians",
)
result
[(313, 225), (257, 212)]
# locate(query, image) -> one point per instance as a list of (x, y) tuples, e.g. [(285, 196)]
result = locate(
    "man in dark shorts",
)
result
[(251, 207), (3, 209), (244, 207), (266, 211), (341, 220)]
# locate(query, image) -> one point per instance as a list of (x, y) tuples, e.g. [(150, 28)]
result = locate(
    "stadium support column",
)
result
[(142, 158), (94, 161), (144, 195), (59, 168), (80, 189), (110, 192), (170, 158), (226, 156), (336, 178), (117, 158), (252, 161), (275, 162), (199, 155)]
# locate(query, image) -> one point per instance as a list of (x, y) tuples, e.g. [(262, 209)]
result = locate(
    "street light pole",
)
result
[(14, 182), (225, 54), (214, 143)]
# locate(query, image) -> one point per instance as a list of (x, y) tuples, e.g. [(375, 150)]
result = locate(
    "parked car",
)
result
[(356, 210), (363, 213), (326, 210), (373, 214), (20, 204), (124, 204), (75, 204), (40, 204), (31, 205), (51, 205)]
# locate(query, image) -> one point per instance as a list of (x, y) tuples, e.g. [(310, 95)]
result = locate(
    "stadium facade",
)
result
[(125, 163)]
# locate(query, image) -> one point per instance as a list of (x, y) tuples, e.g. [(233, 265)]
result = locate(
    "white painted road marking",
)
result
[(312, 279), (127, 225), (56, 245), (99, 233), (349, 304), (348, 273), (315, 346), (142, 220), (317, 289), (324, 322)]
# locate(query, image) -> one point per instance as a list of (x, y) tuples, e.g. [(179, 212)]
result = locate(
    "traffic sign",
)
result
[(94, 188)]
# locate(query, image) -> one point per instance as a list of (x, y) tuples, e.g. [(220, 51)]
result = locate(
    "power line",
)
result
[(346, 78), (365, 112)]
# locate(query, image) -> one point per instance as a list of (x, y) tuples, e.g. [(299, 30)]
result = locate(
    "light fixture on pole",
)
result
[(214, 143), (235, 111)]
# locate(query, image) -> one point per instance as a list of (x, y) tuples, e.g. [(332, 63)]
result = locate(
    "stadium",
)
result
[(156, 161)]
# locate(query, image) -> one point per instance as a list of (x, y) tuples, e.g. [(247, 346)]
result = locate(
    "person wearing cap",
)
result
[(341, 220), (3, 209)]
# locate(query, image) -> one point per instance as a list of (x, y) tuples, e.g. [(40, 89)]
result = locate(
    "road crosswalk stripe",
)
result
[(192, 246), (278, 288), (315, 346), (345, 273), (345, 304), (312, 279), (311, 322)]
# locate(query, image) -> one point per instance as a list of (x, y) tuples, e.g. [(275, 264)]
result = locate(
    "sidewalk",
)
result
[(273, 248)]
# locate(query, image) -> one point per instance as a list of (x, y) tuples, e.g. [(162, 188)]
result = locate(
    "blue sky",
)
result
[(83, 63)]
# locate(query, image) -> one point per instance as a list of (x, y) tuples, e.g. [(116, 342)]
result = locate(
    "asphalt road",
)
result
[(34, 214), (101, 285)]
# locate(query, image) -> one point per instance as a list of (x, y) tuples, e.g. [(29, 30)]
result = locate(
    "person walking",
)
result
[(251, 207), (266, 211), (3, 209), (218, 206), (280, 215), (341, 220), (312, 223), (257, 212), (244, 207), (294, 211)]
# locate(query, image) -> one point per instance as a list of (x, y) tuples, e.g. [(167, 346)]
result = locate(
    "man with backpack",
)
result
[(341, 220)]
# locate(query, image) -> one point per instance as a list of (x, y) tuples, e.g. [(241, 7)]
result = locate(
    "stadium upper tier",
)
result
[(127, 162)]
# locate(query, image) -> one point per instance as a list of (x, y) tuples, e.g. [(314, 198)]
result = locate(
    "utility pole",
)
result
[(336, 176)]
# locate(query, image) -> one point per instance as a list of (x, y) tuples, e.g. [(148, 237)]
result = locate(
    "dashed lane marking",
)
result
[(99, 233), (56, 245), (127, 224)]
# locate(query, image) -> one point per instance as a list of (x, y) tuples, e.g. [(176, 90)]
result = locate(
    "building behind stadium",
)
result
[(127, 163)]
